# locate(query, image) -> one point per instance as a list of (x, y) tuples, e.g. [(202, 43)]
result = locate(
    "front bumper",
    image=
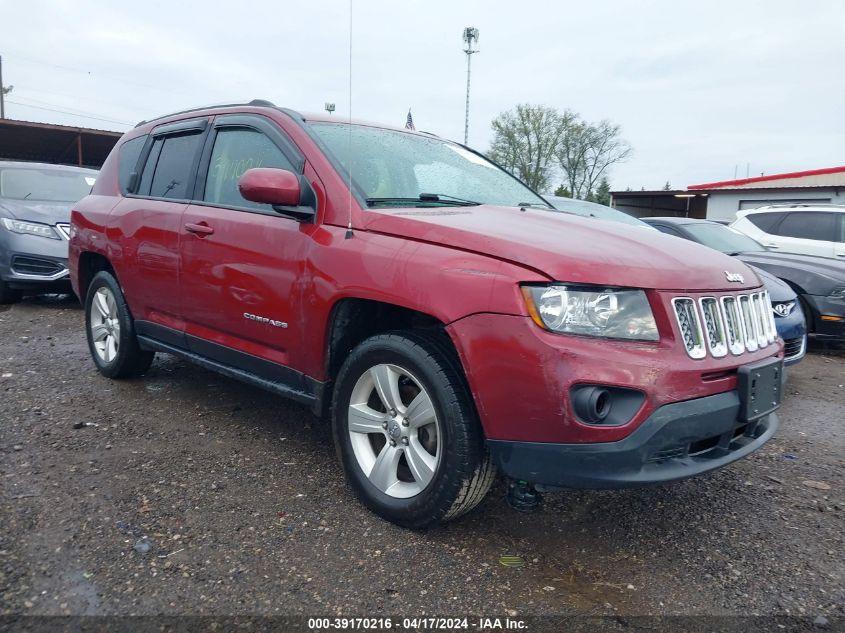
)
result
[(831, 307), (30, 262), (793, 330), (677, 441)]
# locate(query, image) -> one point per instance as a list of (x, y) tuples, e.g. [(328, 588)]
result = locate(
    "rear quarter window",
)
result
[(766, 222), (127, 159)]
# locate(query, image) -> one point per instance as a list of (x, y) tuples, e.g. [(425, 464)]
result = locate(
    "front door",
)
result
[(242, 263)]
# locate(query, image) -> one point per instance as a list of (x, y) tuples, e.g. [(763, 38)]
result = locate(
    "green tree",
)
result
[(667, 186), (603, 192), (563, 192)]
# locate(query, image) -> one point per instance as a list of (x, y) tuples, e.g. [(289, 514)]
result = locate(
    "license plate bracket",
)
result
[(760, 387)]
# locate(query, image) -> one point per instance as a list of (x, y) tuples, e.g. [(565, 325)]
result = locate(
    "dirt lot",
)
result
[(184, 492)]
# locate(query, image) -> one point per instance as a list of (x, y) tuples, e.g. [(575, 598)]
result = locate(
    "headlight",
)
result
[(592, 311), (30, 228)]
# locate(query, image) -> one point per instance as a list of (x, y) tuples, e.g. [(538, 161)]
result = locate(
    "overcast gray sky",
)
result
[(698, 88)]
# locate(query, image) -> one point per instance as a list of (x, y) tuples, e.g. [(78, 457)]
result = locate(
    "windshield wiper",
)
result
[(442, 199), (537, 205)]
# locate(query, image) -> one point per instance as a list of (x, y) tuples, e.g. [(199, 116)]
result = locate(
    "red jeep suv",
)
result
[(449, 322)]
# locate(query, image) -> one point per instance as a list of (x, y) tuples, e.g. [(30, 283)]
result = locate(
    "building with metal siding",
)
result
[(815, 186), (721, 200)]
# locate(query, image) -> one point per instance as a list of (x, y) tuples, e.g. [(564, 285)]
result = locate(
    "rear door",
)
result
[(806, 232), (149, 218), (242, 263)]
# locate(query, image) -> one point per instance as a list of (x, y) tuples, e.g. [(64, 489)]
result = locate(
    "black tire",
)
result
[(464, 471), (9, 295), (129, 360)]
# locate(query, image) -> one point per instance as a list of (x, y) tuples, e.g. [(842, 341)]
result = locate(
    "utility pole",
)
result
[(470, 36)]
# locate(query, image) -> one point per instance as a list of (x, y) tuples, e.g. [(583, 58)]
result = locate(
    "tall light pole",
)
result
[(470, 37)]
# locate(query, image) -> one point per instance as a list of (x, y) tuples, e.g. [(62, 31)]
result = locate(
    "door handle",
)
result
[(840, 254), (200, 230), (771, 245)]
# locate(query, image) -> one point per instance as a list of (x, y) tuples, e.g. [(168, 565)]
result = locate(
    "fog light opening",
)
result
[(592, 404), (601, 403), (605, 405)]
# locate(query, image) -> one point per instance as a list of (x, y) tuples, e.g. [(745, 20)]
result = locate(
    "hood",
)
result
[(815, 275), (779, 291), (35, 211), (568, 247)]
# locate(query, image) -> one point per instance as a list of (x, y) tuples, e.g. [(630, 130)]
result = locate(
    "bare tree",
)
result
[(525, 140), (606, 148), (585, 152), (571, 154)]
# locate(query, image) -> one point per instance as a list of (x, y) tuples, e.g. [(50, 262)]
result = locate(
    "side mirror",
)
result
[(281, 188)]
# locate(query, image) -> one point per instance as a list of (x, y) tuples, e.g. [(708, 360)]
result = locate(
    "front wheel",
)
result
[(406, 430), (111, 332)]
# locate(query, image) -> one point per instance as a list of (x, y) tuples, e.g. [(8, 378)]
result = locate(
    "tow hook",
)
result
[(522, 496)]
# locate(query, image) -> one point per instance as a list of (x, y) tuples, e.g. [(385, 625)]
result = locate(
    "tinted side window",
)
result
[(809, 225), (765, 221), (175, 162), (236, 150), (841, 237), (127, 160), (150, 167)]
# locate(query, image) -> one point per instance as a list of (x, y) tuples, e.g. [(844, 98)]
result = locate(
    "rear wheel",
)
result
[(406, 430), (111, 332), (9, 295)]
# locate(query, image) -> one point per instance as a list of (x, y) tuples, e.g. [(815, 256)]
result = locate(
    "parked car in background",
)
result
[(800, 228), (593, 210), (35, 202), (428, 303), (819, 282)]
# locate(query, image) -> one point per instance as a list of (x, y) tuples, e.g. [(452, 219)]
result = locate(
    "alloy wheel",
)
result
[(394, 431), (104, 323)]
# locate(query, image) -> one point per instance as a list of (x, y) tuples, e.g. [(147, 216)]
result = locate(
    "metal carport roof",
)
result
[(59, 144)]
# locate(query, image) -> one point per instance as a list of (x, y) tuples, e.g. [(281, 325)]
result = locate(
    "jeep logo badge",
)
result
[(735, 277)]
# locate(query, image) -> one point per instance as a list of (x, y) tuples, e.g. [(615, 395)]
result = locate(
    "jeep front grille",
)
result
[(714, 327), (690, 326), (733, 325), (741, 323)]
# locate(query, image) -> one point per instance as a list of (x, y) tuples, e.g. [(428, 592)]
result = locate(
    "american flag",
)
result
[(409, 122)]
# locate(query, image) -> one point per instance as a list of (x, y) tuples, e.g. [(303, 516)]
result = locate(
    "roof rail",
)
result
[(800, 205), (254, 103)]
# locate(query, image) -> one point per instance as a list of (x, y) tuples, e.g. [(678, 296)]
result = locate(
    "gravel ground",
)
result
[(187, 493)]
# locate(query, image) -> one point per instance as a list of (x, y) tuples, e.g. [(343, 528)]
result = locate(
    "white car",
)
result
[(800, 228)]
